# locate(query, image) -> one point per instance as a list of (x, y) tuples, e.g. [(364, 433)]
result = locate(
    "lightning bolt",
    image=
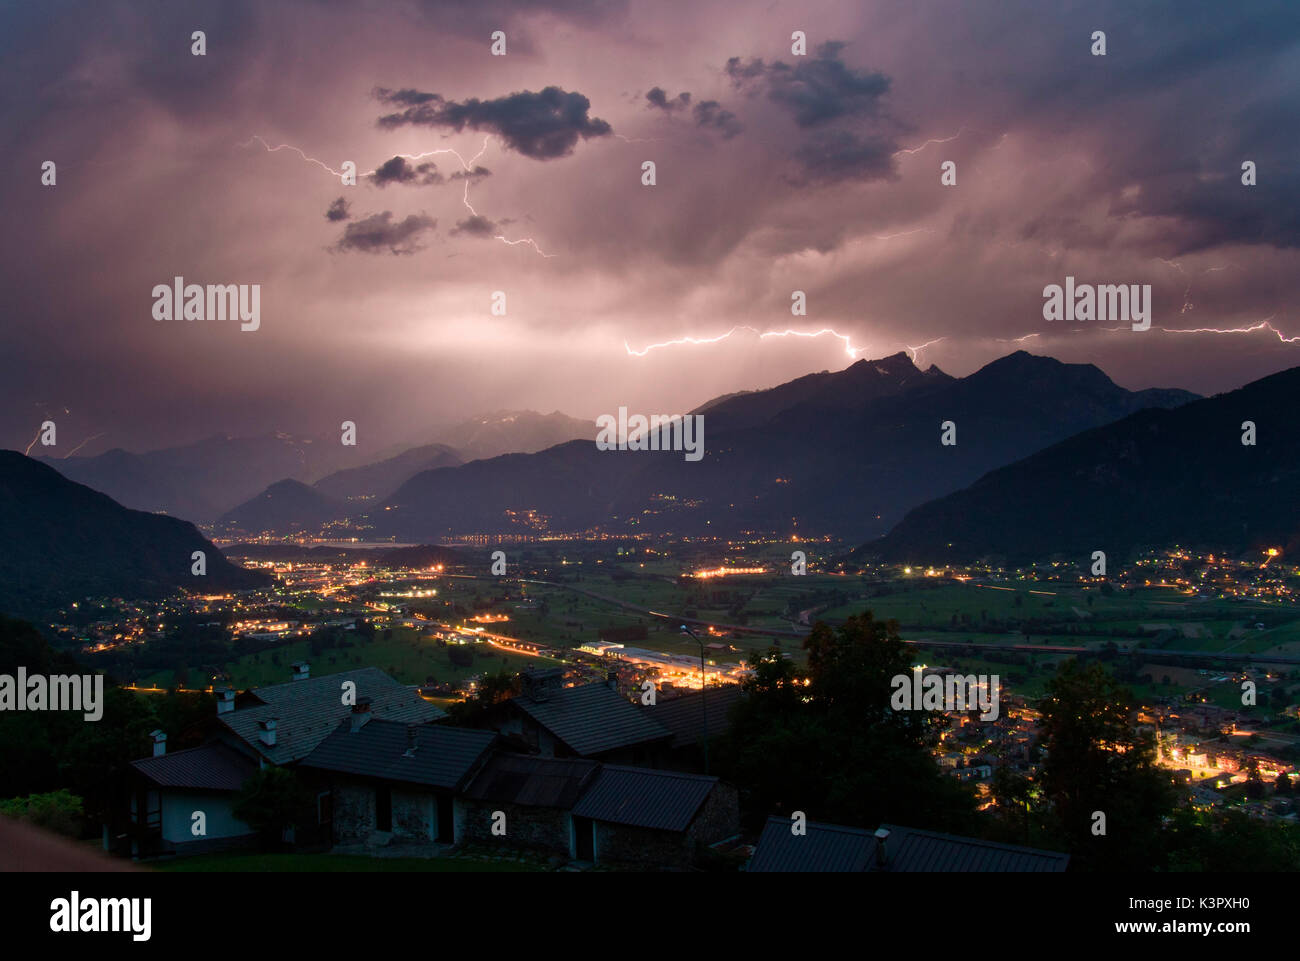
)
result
[(849, 349), (32, 444), (912, 150), (83, 444), (466, 166), (929, 343)]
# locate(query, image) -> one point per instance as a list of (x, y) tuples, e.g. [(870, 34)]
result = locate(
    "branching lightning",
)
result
[(466, 166)]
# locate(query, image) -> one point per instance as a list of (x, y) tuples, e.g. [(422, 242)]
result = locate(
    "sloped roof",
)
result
[(685, 717), (306, 712), (443, 756), (212, 767), (591, 718), (646, 798), (550, 782), (911, 850), (824, 847)]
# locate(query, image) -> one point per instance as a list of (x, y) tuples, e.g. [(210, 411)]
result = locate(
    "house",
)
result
[(833, 847), (650, 818), (690, 716), (536, 796), (167, 791), (268, 726), (283, 723), (589, 720), (378, 779)]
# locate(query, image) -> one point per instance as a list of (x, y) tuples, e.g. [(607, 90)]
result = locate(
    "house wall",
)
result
[(178, 808), (526, 826), (718, 818), (414, 812), (620, 844)]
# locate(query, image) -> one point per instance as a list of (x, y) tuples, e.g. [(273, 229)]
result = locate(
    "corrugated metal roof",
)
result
[(306, 712), (591, 718), (640, 797), (537, 781), (824, 847), (685, 717), (212, 767), (908, 849), (443, 756)]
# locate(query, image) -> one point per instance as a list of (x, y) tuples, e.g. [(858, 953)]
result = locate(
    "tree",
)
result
[(1097, 763), (271, 801), (826, 740)]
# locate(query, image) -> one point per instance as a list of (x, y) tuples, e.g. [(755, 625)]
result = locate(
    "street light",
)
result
[(703, 708)]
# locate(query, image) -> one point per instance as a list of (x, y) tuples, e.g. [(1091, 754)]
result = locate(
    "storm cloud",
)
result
[(379, 233), (543, 125)]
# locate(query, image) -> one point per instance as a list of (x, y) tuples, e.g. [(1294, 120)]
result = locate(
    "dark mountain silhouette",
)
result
[(200, 481), (61, 541), (512, 432), (287, 506), (380, 479), (847, 452), (1154, 479)]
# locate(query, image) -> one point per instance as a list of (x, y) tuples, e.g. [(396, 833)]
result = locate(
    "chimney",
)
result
[(266, 731), (410, 740), (159, 743), (882, 854), (611, 680), (360, 714), (301, 670), (225, 700)]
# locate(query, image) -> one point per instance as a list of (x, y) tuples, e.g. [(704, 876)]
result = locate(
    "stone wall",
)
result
[(543, 829)]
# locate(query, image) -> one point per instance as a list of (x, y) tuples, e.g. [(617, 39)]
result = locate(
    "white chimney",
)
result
[(301, 670), (266, 732), (225, 700), (159, 743)]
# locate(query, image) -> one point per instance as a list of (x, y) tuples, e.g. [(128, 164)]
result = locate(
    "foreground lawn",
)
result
[(327, 863)]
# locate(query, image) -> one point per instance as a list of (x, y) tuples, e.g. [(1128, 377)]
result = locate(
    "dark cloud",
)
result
[(840, 155), (543, 125), (478, 173), (658, 98), (399, 171), (817, 90), (709, 113), (377, 233), (338, 210), (477, 226)]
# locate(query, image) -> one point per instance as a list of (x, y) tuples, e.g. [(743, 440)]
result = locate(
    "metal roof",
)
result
[(443, 756), (908, 849), (824, 847), (306, 712), (685, 717), (538, 781), (641, 797), (591, 718), (212, 767)]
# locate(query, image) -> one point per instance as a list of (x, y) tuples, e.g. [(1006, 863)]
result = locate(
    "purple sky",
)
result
[(819, 173)]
